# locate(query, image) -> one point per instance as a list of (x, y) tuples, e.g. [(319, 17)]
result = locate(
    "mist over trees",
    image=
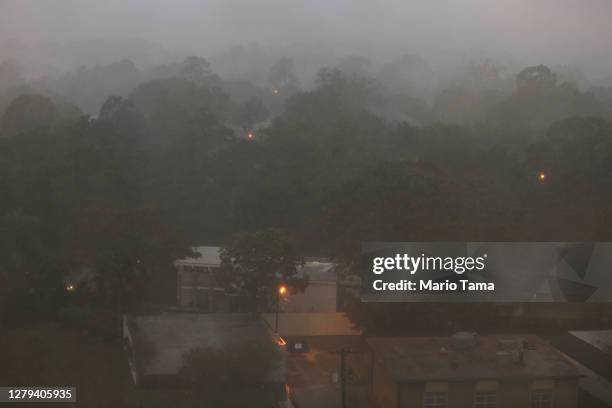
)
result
[(118, 164)]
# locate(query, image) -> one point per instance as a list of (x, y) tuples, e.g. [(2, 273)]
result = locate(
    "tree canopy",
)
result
[(257, 264), (164, 165)]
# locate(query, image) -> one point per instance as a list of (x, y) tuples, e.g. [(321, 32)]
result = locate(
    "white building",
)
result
[(197, 281), (320, 294), (199, 285)]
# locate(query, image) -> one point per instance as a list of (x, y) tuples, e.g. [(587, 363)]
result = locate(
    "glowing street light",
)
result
[(542, 177), (250, 136), (275, 91), (282, 289), (70, 288)]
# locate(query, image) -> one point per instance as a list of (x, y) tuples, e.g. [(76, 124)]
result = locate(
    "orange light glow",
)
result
[(281, 341), (288, 391), (542, 176), (251, 136), (282, 290), (70, 288)]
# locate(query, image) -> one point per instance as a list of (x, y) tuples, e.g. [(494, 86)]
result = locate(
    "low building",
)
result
[(156, 346), (591, 348), (320, 295), (592, 353), (199, 285), (467, 370)]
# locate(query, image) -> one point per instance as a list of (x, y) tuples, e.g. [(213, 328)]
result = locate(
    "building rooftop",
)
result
[(319, 270), (174, 334), (600, 339), (312, 324), (416, 359), (594, 384), (208, 256)]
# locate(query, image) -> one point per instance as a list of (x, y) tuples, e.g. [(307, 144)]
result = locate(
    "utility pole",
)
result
[(343, 353), (342, 378)]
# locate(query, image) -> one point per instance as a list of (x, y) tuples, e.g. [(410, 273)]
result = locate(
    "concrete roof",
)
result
[(312, 324), (601, 339), (593, 383), (208, 256), (173, 334), (417, 359)]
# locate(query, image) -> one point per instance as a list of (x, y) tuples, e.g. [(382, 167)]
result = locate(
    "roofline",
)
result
[(509, 378), (183, 262)]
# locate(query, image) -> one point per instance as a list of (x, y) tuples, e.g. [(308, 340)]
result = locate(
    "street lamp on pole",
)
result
[(282, 289)]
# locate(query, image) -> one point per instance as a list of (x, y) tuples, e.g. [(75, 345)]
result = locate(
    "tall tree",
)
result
[(281, 74), (250, 112), (131, 253), (27, 113), (256, 264)]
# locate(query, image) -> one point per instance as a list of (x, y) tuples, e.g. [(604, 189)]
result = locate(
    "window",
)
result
[(541, 399), (485, 399), (435, 400)]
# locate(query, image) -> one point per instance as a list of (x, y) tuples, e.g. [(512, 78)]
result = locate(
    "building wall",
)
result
[(587, 354), (510, 394), (196, 288), (410, 394), (514, 393), (317, 297), (384, 390), (566, 393)]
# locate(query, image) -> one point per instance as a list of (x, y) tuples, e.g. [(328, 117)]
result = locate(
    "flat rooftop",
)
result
[(319, 270), (312, 324), (174, 334), (206, 256), (600, 339), (594, 384), (417, 359)]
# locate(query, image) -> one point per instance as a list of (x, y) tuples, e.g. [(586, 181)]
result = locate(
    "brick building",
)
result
[(467, 370)]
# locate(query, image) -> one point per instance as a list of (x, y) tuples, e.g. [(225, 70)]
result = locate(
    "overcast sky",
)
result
[(553, 31)]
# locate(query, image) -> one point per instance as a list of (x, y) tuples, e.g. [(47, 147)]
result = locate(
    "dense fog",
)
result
[(65, 34)]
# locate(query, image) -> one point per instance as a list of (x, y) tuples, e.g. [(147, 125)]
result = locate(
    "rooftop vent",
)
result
[(464, 340), (505, 357)]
